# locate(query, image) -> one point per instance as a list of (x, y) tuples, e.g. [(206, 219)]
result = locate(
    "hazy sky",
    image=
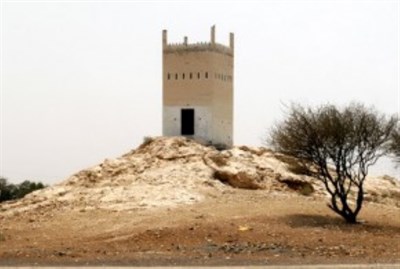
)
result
[(81, 80)]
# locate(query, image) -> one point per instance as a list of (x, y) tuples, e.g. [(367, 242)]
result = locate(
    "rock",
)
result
[(60, 253), (244, 228), (239, 179)]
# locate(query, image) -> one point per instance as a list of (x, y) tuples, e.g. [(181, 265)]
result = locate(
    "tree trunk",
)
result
[(351, 218), (345, 211)]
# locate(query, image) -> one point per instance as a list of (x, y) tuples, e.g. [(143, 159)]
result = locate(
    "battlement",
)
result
[(199, 46)]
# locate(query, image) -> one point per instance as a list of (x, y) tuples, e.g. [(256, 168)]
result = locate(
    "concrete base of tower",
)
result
[(196, 122)]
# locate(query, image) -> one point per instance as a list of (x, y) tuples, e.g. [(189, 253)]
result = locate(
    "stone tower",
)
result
[(198, 90)]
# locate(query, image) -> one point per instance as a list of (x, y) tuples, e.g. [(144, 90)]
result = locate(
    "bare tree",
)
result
[(338, 145)]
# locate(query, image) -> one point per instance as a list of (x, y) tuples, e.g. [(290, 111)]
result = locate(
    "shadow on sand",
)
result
[(333, 222)]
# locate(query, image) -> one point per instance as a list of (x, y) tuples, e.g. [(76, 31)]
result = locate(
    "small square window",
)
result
[(169, 76), (183, 75), (190, 75), (207, 75), (176, 76)]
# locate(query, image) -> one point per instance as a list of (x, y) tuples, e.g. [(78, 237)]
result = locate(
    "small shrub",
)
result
[(147, 140), (307, 189), (10, 191), (257, 151), (298, 169), (220, 146), (392, 180), (302, 187), (181, 142), (294, 165), (385, 195)]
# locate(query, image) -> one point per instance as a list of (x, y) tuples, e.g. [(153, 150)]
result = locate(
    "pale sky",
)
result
[(81, 80)]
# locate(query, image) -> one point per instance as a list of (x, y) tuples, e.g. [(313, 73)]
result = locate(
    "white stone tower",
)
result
[(198, 90)]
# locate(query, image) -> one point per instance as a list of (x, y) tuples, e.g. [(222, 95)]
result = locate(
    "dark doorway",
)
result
[(187, 121)]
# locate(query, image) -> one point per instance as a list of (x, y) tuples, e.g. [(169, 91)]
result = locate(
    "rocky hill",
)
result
[(168, 172)]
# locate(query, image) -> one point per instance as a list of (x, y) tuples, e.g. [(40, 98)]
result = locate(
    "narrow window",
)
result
[(183, 75), (190, 75), (169, 76), (198, 75), (207, 75), (176, 76)]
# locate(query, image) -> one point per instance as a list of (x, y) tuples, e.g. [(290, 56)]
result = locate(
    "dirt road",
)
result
[(318, 266)]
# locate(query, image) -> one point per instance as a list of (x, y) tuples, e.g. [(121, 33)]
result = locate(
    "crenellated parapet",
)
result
[(185, 46), (200, 46)]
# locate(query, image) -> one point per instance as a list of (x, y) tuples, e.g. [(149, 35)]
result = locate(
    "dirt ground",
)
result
[(237, 227)]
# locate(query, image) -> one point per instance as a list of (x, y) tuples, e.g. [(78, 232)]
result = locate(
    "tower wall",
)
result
[(200, 77)]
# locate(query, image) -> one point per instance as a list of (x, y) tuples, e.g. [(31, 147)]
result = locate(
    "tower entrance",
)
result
[(187, 121)]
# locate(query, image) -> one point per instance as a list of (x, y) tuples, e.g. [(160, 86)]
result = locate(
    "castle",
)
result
[(198, 90)]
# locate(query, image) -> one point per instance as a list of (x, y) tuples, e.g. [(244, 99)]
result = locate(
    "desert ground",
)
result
[(176, 202)]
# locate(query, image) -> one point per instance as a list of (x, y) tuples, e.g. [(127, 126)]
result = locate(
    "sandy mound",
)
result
[(167, 172)]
